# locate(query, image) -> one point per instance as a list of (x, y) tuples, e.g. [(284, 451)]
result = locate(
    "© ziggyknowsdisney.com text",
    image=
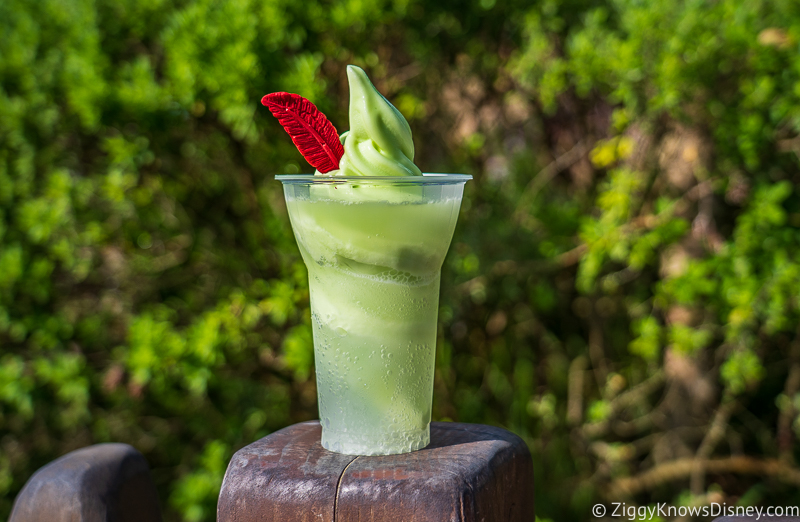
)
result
[(625, 511)]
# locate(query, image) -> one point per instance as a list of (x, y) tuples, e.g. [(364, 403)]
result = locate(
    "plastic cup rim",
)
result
[(425, 179)]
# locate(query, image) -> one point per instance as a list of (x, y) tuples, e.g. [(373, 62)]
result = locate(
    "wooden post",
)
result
[(469, 473), (100, 483)]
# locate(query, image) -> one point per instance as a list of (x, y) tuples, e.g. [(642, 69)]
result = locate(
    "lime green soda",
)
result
[(374, 249)]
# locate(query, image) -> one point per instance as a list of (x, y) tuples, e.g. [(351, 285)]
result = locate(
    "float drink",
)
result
[(373, 233), (373, 269)]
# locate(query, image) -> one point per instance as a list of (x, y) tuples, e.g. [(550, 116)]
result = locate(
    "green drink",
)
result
[(373, 232), (374, 249)]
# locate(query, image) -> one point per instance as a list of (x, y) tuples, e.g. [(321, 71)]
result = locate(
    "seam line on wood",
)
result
[(338, 487)]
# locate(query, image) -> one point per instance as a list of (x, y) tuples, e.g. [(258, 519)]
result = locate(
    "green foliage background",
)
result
[(622, 290)]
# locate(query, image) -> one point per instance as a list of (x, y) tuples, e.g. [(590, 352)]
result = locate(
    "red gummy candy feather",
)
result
[(315, 137)]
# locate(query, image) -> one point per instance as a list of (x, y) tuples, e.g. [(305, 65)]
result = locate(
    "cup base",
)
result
[(386, 444)]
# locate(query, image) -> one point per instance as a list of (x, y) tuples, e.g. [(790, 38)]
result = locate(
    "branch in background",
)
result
[(703, 225), (710, 441), (645, 444), (756, 425), (566, 160), (790, 145), (596, 350), (563, 260), (501, 268), (785, 435), (683, 468), (630, 397), (735, 442), (406, 73), (627, 429), (577, 370), (648, 221)]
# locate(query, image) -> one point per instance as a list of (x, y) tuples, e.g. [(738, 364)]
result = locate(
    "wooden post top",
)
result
[(101, 483), (468, 473)]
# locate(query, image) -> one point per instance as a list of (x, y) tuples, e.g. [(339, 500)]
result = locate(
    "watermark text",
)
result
[(625, 511)]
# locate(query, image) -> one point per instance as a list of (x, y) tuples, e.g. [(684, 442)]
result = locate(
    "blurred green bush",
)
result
[(622, 290)]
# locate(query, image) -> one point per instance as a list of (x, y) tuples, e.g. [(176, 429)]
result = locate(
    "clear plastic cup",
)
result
[(374, 248)]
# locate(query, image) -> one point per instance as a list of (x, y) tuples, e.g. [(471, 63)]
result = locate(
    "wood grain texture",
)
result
[(100, 483), (287, 476), (468, 473)]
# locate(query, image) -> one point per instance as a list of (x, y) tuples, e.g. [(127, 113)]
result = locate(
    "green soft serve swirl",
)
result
[(379, 140)]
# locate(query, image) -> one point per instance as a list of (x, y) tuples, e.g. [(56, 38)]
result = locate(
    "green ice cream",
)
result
[(379, 140)]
